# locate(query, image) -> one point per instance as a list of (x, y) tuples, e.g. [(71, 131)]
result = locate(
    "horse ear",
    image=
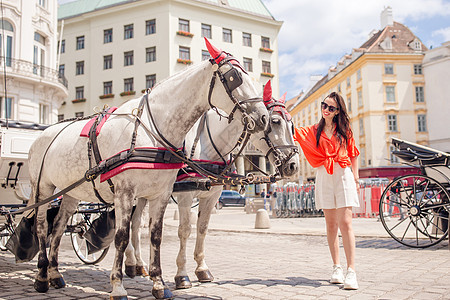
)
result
[(267, 95), (215, 53), (283, 98)]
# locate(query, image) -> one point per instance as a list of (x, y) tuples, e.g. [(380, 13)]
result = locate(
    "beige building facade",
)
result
[(113, 50), (34, 91), (436, 68), (382, 82)]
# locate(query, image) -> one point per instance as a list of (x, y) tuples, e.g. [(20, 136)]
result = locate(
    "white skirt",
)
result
[(336, 190)]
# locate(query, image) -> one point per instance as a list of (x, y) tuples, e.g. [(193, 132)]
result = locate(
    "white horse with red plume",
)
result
[(154, 126), (210, 141)]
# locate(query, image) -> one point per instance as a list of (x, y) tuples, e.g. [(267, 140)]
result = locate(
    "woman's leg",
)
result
[(331, 220), (344, 219)]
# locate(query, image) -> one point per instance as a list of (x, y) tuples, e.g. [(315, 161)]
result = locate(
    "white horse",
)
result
[(59, 157), (277, 142)]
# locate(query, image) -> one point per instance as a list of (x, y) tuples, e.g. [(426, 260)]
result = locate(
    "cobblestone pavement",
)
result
[(254, 266)]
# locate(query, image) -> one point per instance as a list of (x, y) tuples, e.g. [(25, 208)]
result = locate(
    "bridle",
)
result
[(231, 79), (280, 157)]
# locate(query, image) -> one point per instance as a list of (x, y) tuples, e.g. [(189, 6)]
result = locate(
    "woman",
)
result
[(330, 147)]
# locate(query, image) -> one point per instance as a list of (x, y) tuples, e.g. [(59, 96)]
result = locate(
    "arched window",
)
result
[(7, 40), (39, 54)]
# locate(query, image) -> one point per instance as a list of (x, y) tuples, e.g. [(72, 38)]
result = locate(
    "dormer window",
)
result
[(386, 44), (416, 45)]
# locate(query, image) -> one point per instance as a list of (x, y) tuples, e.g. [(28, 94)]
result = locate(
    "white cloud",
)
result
[(444, 32), (317, 33)]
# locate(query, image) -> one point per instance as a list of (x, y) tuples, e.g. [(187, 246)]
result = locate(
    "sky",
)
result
[(317, 33)]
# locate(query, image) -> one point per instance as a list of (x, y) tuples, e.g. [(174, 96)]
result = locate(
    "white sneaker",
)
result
[(350, 282), (338, 274)]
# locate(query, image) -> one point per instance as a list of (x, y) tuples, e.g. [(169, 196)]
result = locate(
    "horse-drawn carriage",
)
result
[(414, 209), (142, 148), (15, 141)]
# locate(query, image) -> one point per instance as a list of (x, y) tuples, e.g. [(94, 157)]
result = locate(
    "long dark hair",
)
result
[(342, 121)]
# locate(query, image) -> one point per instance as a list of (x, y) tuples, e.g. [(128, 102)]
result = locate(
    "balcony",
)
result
[(28, 70)]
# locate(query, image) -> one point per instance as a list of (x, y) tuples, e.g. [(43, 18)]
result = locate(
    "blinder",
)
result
[(232, 79)]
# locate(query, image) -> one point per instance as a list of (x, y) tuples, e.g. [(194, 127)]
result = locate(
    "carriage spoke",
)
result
[(425, 229), (407, 228)]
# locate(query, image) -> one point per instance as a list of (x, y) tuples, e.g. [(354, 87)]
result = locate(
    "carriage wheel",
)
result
[(4, 236), (414, 210), (82, 222)]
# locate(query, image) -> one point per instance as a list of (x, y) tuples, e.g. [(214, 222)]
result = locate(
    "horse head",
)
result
[(277, 141), (238, 86)]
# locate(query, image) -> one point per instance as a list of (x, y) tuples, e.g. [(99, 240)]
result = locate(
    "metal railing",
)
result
[(28, 69)]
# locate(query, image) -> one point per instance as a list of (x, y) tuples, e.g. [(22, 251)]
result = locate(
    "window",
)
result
[(205, 55), (60, 117), (339, 88), (185, 53), (419, 94), (349, 104), (362, 156), (128, 31), (9, 34), (63, 46), (394, 159), (128, 85), (348, 81), (183, 25), (79, 114), (265, 42), (107, 36), (150, 27), (150, 54), (79, 92), (150, 81), (42, 3), (246, 39), (417, 69), (206, 31), (392, 123), (390, 93), (43, 113), (7, 108), (79, 68), (128, 58), (107, 87), (422, 123), (360, 99), (248, 64), (107, 62), (61, 70), (80, 42), (388, 69), (358, 75), (227, 35), (361, 126), (266, 67)]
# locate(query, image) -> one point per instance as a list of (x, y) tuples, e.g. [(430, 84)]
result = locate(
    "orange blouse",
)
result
[(329, 150)]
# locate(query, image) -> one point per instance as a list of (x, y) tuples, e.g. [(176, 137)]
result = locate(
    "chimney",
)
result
[(386, 17)]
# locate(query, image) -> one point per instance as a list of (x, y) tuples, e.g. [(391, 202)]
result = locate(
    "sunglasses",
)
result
[(331, 108)]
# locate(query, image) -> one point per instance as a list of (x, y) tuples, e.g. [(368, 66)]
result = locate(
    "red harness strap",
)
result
[(87, 127), (141, 165)]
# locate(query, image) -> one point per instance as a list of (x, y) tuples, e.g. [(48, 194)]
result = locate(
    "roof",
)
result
[(400, 37), (78, 7)]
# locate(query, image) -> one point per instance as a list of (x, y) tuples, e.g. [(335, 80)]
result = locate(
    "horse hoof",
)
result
[(162, 294), (41, 286), (130, 271), (141, 271), (118, 298), (204, 276), (57, 283), (182, 282)]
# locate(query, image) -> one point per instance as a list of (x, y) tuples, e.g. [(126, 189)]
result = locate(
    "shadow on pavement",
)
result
[(393, 244), (290, 281)]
